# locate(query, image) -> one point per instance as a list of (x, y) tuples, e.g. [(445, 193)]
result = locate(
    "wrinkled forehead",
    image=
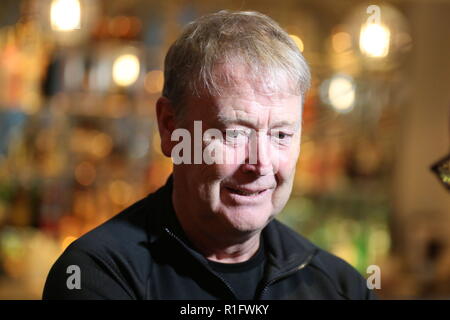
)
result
[(245, 99), (238, 79)]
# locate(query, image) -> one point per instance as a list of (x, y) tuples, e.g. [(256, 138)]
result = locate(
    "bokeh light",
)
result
[(65, 15), (374, 40), (126, 70)]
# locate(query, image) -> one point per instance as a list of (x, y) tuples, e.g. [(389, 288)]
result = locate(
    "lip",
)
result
[(241, 195)]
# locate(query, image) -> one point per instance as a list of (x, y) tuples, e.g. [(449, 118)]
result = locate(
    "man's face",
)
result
[(261, 137)]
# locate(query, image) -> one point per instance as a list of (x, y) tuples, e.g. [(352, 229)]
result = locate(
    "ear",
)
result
[(166, 124)]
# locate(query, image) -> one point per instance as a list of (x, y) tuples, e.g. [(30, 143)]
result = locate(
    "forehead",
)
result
[(247, 105), (240, 97), (246, 108), (244, 98), (235, 78)]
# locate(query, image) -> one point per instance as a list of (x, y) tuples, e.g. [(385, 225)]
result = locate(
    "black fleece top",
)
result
[(142, 253), (243, 277)]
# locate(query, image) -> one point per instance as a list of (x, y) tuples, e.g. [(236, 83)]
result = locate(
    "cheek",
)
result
[(284, 172), (232, 156), (227, 164), (285, 161)]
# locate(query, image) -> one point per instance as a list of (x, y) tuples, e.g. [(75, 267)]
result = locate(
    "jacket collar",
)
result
[(285, 248)]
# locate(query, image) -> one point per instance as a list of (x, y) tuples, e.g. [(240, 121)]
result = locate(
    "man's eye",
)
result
[(281, 135), (234, 134)]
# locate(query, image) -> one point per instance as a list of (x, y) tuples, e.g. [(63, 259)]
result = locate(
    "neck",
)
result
[(212, 240)]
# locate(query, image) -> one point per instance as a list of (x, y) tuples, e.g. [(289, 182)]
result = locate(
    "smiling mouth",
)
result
[(246, 193)]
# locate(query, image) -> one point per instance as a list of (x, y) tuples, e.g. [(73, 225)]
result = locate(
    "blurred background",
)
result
[(79, 142)]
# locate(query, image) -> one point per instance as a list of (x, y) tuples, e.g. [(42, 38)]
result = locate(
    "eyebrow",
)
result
[(246, 122)]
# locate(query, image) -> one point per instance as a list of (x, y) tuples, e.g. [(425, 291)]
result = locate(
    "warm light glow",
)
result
[(154, 81), (341, 93), (298, 42), (85, 173), (65, 15), (156, 143), (120, 192), (341, 41), (67, 241), (101, 145), (126, 70), (374, 40)]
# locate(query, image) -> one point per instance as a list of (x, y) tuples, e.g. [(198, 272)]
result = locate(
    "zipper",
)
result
[(206, 267), (286, 274)]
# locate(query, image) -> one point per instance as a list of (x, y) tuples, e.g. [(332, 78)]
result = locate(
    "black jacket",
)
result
[(141, 253)]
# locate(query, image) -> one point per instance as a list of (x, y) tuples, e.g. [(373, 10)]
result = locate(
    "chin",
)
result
[(247, 220)]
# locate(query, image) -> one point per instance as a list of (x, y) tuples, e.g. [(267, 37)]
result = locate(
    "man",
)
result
[(238, 81)]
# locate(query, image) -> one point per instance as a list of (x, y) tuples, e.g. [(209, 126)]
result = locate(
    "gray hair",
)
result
[(245, 38)]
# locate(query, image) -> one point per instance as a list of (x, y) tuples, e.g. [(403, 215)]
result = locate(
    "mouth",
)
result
[(237, 195), (246, 192)]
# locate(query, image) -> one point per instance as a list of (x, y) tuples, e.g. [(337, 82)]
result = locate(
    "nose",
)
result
[(259, 156)]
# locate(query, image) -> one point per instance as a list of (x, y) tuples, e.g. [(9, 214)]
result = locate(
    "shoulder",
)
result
[(345, 279), (112, 258), (349, 283), (126, 229)]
